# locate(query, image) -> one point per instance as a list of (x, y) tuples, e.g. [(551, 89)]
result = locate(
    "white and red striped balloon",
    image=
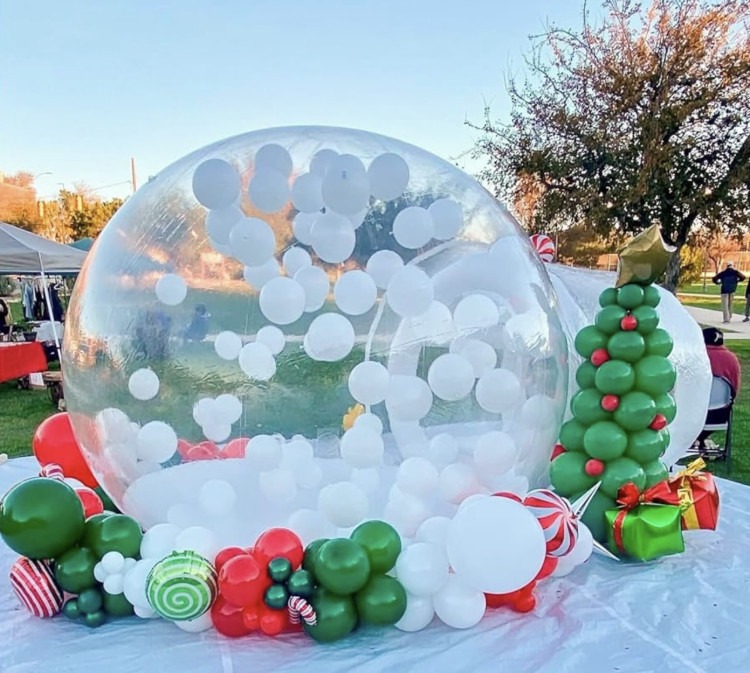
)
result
[(557, 519), (36, 588), (544, 246), (52, 471), (299, 608)]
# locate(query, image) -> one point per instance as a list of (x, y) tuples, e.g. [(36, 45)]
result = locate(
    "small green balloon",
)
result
[(626, 346), (95, 619), (651, 296), (605, 441), (109, 505), (71, 609), (609, 318), (91, 529), (276, 597), (311, 554), (655, 472), (630, 296), (118, 533), (588, 340), (647, 317), (666, 406), (619, 472), (279, 569), (117, 605), (381, 602), (655, 375), (336, 616), (568, 475), (636, 411), (646, 446), (381, 542), (342, 566), (594, 518), (659, 342), (586, 375), (74, 570), (608, 297), (615, 377), (301, 583), (586, 406), (41, 518), (90, 601), (571, 435)]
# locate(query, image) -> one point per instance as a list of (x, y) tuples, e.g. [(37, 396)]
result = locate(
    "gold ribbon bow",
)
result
[(685, 492)]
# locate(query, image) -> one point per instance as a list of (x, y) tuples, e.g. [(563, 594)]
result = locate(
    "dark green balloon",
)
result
[(659, 342), (666, 406), (615, 377), (311, 554), (117, 605), (586, 406), (276, 597), (109, 506), (336, 616), (630, 296), (651, 296), (117, 533), (655, 375), (95, 619), (609, 318), (585, 375), (41, 518), (279, 569), (342, 566), (571, 435), (90, 601), (646, 446), (381, 602), (74, 570), (647, 317), (71, 609), (636, 411), (619, 472), (626, 346), (588, 340), (593, 517), (655, 472), (301, 583), (605, 440), (608, 297), (381, 542), (567, 473), (91, 529)]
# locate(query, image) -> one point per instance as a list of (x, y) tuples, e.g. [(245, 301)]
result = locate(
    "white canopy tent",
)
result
[(22, 252)]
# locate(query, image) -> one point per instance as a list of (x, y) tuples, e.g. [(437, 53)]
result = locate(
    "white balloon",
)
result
[(113, 562), (368, 479), (584, 546), (329, 338), (143, 384), (451, 377), (346, 189), (422, 569), (295, 259), (273, 157), (480, 354), (228, 408), (371, 421), (217, 497), (296, 453), (358, 218), (257, 361), (258, 276), (200, 540), (406, 512), (418, 615), (158, 541), (389, 176), (344, 504), (410, 292), (538, 412), (435, 325), (282, 300), (216, 184), (310, 477), (310, 525), (475, 312), (263, 452), (498, 391), (361, 447), (134, 583), (113, 585), (412, 227), (368, 382), (495, 453), (409, 398), (216, 431), (355, 292), (315, 283), (204, 411), (99, 573), (219, 223), (417, 476), (278, 486), (273, 337), (302, 227), (307, 193), (228, 345), (268, 191), (443, 449), (171, 289), (157, 441), (144, 613), (197, 625), (496, 545), (447, 218), (322, 160), (458, 482), (333, 237), (434, 530), (252, 241), (383, 265), (458, 605)]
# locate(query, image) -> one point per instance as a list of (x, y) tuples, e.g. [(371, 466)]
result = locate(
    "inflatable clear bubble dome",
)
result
[(311, 327)]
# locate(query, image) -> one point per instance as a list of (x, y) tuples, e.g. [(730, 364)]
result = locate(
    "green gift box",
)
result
[(645, 532)]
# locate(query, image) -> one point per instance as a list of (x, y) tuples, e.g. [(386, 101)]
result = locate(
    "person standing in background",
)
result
[(728, 279)]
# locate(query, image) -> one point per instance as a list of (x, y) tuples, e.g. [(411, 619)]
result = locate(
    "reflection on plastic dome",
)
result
[(311, 327)]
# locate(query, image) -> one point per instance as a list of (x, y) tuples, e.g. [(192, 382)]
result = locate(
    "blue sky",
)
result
[(86, 84)]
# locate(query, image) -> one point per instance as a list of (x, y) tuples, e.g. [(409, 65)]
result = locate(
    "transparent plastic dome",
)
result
[(371, 319)]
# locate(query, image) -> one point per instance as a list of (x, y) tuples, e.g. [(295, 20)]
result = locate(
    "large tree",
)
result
[(639, 117)]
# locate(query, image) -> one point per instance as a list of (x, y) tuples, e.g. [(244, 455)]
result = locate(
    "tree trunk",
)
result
[(672, 274)]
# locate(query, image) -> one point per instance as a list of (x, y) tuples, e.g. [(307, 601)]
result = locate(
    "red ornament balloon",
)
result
[(594, 467), (272, 622), (610, 402), (226, 555), (242, 581), (277, 542), (251, 617), (524, 603), (557, 451), (629, 323), (235, 448), (556, 518), (92, 503), (54, 442), (599, 357), (203, 451), (228, 619), (659, 422), (35, 587)]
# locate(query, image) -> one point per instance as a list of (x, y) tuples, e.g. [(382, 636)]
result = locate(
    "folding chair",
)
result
[(719, 418)]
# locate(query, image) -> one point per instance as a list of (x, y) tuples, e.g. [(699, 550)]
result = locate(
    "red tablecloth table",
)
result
[(21, 359)]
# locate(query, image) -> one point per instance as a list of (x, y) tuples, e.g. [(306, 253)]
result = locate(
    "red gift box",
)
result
[(696, 494)]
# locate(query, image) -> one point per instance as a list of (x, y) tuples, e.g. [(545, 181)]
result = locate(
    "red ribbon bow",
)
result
[(629, 497)]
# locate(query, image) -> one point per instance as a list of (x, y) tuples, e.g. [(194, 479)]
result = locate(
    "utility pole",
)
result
[(133, 175)]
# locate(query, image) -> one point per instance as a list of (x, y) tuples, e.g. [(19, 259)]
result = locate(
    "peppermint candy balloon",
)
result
[(182, 586), (36, 588), (557, 519), (299, 608), (544, 246), (52, 471)]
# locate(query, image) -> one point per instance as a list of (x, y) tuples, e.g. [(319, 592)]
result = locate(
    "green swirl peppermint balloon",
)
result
[(182, 586)]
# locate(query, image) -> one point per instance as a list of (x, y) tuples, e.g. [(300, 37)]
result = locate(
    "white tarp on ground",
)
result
[(683, 614), (22, 252)]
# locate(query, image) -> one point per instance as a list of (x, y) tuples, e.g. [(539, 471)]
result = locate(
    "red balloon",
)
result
[(272, 622), (54, 442), (599, 357), (242, 581), (501, 600), (525, 603), (203, 451), (228, 619), (235, 448), (92, 503), (277, 542), (548, 567), (508, 494), (183, 448), (251, 618), (227, 555)]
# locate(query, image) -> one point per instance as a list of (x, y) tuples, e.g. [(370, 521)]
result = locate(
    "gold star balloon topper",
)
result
[(644, 259)]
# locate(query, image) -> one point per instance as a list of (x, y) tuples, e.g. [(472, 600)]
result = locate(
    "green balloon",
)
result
[(608, 297), (655, 472), (117, 533), (626, 346), (342, 566), (593, 517), (117, 605), (585, 375), (636, 411), (615, 377), (571, 435), (381, 543), (279, 569), (90, 601), (276, 597), (588, 340), (41, 518), (630, 296), (91, 529), (568, 475), (109, 506), (659, 342), (666, 406), (647, 317), (609, 318), (74, 570), (655, 375), (619, 472), (645, 446), (586, 406), (651, 296), (381, 602), (95, 619), (71, 609), (336, 616), (301, 583), (605, 440), (311, 554)]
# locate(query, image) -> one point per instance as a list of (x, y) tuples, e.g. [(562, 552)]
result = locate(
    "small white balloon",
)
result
[(113, 585), (310, 525), (451, 377), (346, 189), (252, 241), (315, 283), (578, 555), (200, 540), (204, 411), (368, 479), (145, 613), (409, 398), (355, 292), (389, 176), (434, 530), (406, 513), (157, 441), (538, 412), (263, 452), (134, 584), (435, 325), (383, 265), (228, 408), (295, 259), (498, 391), (329, 338), (143, 384), (417, 476), (273, 337), (458, 482), (310, 477), (257, 276), (459, 606), (278, 486), (228, 345), (297, 452), (216, 431), (418, 615), (113, 562), (358, 218), (410, 292), (480, 354), (197, 625), (443, 449), (217, 497), (422, 569), (171, 289), (219, 223), (475, 312), (322, 160), (371, 421), (273, 157), (302, 227), (307, 193), (282, 300), (368, 382), (344, 504), (413, 228), (447, 217), (333, 237), (257, 361), (361, 447), (216, 184), (268, 191), (495, 453), (158, 541)]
